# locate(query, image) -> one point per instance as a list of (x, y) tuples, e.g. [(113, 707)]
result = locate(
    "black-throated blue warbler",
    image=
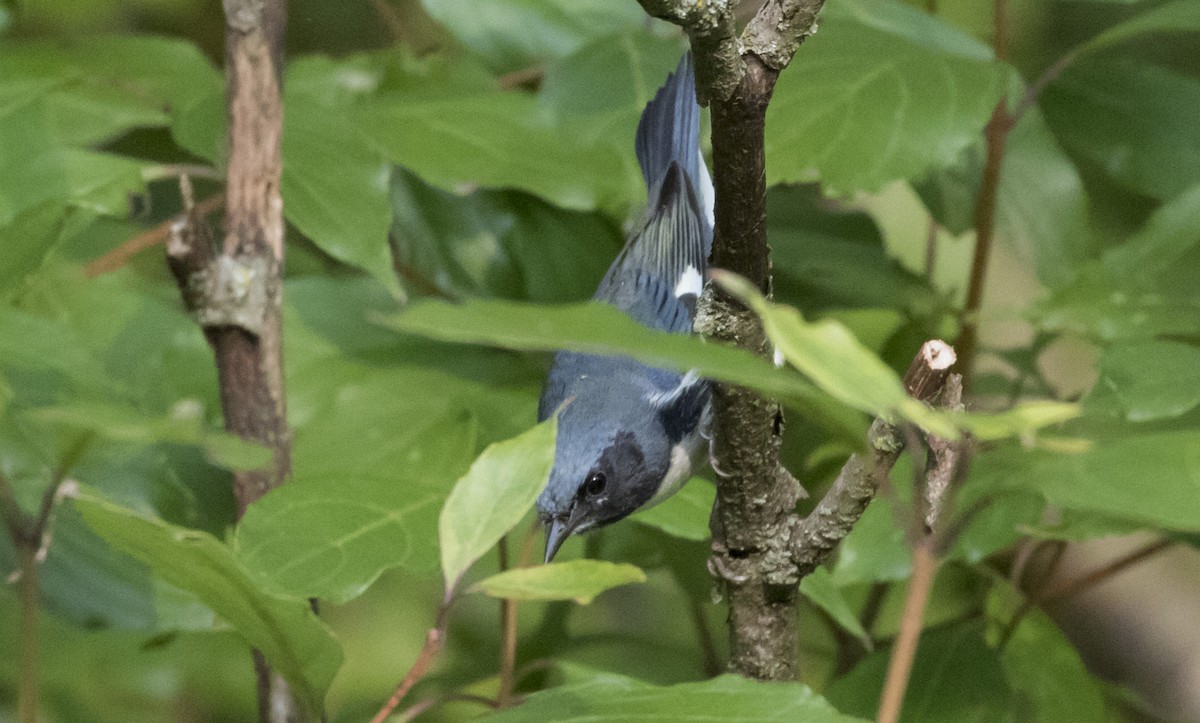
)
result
[(629, 434)]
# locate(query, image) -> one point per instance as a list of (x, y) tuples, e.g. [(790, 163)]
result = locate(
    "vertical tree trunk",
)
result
[(236, 293), (754, 500)]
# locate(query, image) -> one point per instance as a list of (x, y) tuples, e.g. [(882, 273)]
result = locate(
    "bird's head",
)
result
[(606, 465)]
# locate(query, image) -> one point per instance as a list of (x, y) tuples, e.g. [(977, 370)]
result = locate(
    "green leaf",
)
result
[(513, 34), (601, 329), (826, 258), (287, 632), (866, 104), (329, 535), (1132, 119), (1152, 478), (27, 241), (1040, 664), (94, 88), (185, 424), (493, 496), (497, 140), (912, 24), (1150, 380), (821, 591), (839, 364), (955, 677), (498, 243), (335, 187), (612, 698), (1161, 244), (1146, 287), (600, 91), (684, 514), (578, 580), (1041, 208), (1174, 17), (875, 550)]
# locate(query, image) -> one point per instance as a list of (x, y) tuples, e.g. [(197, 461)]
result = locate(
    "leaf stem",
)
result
[(424, 706), (996, 135), (434, 639), (149, 238)]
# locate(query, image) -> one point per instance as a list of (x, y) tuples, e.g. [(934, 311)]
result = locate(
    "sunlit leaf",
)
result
[(493, 496), (600, 329), (578, 580), (839, 364)]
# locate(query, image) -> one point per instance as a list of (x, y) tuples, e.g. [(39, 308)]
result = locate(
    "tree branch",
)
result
[(776, 32), (235, 293), (716, 52), (817, 535), (755, 500)]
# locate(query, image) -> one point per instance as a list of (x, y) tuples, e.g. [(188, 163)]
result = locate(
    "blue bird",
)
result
[(629, 434)]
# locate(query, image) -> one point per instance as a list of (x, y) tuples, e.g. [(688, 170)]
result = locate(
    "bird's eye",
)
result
[(594, 484)]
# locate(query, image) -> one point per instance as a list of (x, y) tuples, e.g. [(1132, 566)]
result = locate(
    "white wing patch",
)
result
[(690, 282), (779, 358), (707, 195)]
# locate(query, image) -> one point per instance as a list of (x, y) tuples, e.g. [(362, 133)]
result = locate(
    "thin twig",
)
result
[(424, 706), (996, 136), (817, 535), (433, 645), (1048, 76), (147, 239), (933, 491), (1082, 583), (508, 635), (904, 649)]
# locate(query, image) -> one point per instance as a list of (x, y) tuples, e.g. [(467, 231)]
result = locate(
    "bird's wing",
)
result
[(659, 275), (681, 409)]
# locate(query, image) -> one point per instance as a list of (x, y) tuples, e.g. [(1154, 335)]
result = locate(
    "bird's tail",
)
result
[(658, 276), (669, 132)]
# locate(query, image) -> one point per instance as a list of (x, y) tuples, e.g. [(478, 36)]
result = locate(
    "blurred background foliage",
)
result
[(483, 148)]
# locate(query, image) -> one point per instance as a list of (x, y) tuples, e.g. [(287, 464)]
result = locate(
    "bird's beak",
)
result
[(557, 532)]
